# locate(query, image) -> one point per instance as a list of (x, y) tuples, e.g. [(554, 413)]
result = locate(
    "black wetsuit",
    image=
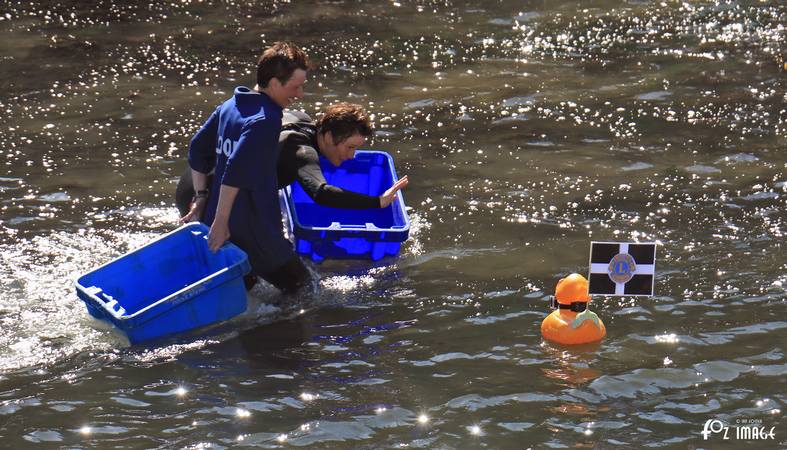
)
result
[(299, 159)]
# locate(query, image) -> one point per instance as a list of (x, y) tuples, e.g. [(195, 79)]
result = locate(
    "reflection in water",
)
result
[(571, 365)]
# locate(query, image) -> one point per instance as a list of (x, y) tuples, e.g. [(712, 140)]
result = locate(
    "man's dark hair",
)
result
[(344, 120), (279, 61)]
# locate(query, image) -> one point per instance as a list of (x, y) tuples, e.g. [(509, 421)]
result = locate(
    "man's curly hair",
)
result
[(344, 120)]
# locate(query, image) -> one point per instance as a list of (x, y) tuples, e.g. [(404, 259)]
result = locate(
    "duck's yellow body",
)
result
[(557, 327), (565, 326)]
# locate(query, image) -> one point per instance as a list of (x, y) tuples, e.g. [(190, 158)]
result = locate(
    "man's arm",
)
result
[(202, 148), (314, 184), (199, 181), (202, 159), (220, 229)]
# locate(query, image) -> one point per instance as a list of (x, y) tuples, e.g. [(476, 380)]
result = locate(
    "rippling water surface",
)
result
[(527, 130)]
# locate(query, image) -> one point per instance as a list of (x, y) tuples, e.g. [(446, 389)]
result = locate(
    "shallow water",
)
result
[(527, 130)]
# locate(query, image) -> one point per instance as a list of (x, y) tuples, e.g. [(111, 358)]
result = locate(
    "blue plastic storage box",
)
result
[(322, 232), (172, 284)]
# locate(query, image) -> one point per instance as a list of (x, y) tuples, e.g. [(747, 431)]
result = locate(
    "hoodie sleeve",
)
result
[(202, 149)]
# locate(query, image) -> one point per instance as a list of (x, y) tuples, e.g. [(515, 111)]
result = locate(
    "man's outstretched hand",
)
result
[(390, 195)]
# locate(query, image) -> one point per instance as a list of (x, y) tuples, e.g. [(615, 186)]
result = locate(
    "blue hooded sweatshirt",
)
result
[(240, 140)]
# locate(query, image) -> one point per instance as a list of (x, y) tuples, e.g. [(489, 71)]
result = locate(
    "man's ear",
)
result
[(274, 83), (329, 138)]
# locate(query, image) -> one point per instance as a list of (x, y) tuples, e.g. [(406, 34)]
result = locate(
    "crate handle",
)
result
[(366, 226), (205, 238), (105, 300)]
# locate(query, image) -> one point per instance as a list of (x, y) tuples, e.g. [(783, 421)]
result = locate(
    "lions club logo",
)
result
[(622, 268)]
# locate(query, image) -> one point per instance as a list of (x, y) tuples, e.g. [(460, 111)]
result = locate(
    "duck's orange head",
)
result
[(573, 288)]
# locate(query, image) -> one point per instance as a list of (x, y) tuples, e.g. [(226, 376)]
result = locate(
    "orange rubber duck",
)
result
[(572, 322)]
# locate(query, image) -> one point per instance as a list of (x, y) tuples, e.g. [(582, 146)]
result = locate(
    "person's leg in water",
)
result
[(292, 278), (249, 281)]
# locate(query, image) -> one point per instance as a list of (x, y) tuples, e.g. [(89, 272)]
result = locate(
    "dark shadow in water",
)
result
[(275, 337), (278, 345), (273, 347)]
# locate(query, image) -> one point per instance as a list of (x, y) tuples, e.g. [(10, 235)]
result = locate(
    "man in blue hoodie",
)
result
[(240, 142)]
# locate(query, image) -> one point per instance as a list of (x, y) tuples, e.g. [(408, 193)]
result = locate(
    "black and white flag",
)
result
[(622, 268)]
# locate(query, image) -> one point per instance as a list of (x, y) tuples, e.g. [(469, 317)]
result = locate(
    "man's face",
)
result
[(343, 150), (284, 94)]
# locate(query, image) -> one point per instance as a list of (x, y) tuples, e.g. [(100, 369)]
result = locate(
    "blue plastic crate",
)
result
[(172, 284), (322, 232)]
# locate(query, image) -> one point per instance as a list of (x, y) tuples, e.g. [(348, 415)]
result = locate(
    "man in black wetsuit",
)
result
[(336, 135)]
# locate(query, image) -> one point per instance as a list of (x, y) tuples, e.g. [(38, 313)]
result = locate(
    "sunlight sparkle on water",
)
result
[(667, 361), (671, 338), (423, 419)]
